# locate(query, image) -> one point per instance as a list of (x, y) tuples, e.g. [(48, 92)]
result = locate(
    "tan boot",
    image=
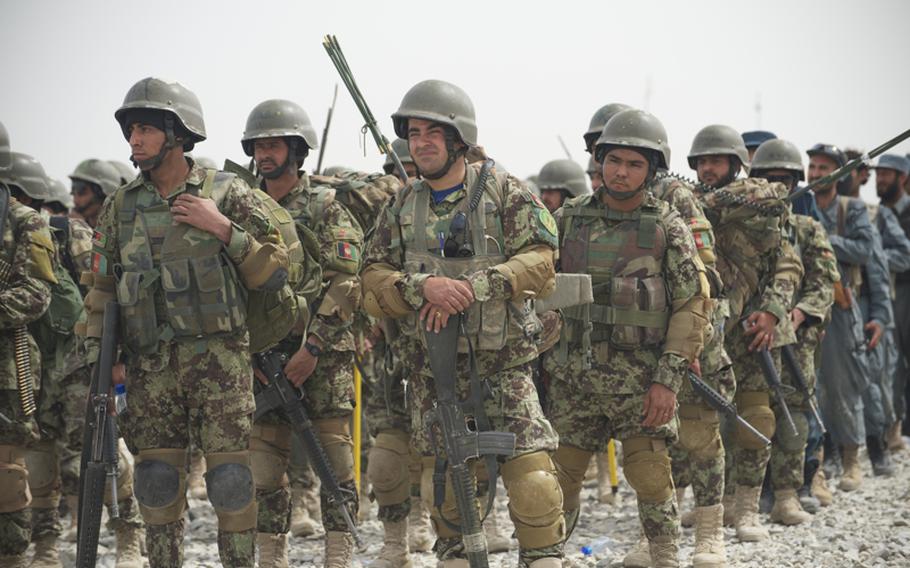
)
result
[(273, 550), (339, 549), (497, 539), (894, 439), (709, 538), (820, 489), (70, 534), (787, 510), (640, 555), (454, 563), (853, 475), (129, 549), (686, 519), (548, 562), (46, 553), (605, 493), (664, 552), (14, 561), (195, 481), (729, 503), (394, 552), (302, 525), (420, 531), (746, 520)]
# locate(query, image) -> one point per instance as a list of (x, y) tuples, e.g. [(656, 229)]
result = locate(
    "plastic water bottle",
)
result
[(597, 547), (120, 398)]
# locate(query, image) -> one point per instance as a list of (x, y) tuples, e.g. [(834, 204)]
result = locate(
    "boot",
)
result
[(787, 510), (129, 550), (664, 552), (879, 456), (394, 551), (72, 503), (195, 481), (894, 438), (640, 555), (605, 493), (686, 519), (729, 503), (832, 462), (339, 549), (746, 519), (46, 554), (853, 475), (820, 489), (13, 561), (302, 525), (273, 550), (548, 562), (420, 532), (497, 540), (454, 563), (807, 501), (709, 538)]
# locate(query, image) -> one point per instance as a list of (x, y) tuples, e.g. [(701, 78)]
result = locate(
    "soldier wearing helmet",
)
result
[(91, 182), (197, 240), (61, 200), (279, 137), (618, 378), (559, 180), (717, 155), (493, 253), (400, 147), (126, 172)]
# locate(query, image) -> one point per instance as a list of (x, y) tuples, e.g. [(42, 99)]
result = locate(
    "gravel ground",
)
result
[(869, 528)]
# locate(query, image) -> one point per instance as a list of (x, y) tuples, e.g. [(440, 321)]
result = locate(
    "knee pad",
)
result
[(786, 439), (15, 494), (43, 476), (647, 468), (535, 500), (229, 484), (160, 485), (699, 432), (754, 408), (270, 450), (387, 467), (448, 507), (571, 463), (335, 437)]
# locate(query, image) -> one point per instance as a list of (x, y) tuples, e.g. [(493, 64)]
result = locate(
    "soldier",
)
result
[(400, 147), (279, 136), (559, 180), (176, 247), (26, 273), (891, 174), (125, 171), (760, 272), (755, 138), (513, 238), (595, 127), (595, 174), (92, 181), (844, 370), (60, 201), (780, 161), (619, 379)]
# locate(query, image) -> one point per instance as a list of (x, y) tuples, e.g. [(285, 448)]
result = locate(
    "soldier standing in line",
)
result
[(559, 180)]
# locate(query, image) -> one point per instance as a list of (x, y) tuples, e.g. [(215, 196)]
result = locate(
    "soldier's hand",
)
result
[(300, 367), (203, 214), (695, 367), (876, 330), (761, 325), (660, 406), (437, 317), (453, 296), (797, 317)]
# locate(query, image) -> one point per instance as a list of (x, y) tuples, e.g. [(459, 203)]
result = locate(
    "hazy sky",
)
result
[(833, 71)]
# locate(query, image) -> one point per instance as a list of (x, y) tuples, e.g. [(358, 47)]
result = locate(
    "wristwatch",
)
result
[(314, 349)]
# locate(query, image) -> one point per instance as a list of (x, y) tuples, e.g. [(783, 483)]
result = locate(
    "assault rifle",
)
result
[(723, 406), (789, 359), (772, 378), (281, 394), (466, 436), (99, 445)]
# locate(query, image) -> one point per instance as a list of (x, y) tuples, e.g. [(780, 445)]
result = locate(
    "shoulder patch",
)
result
[(347, 251), (547, 221)]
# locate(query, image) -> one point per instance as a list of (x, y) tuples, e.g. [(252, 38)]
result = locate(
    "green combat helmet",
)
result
[(719, 140), (98, 172), (60, 194), (6, 160), (565, 175), (27, 174), (182, 115), (777, 154), (400, 147), (599, 120), (127, 173), (634, 128), (278, 118)]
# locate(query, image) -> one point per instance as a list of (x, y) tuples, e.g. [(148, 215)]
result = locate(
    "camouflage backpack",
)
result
[(361, 193), (54, 331)]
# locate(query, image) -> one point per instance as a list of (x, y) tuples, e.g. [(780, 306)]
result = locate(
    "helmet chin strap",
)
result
[(291, 158), (451, 156), (170, 142)]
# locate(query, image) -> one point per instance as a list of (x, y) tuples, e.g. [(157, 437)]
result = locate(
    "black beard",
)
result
[(891, 192)]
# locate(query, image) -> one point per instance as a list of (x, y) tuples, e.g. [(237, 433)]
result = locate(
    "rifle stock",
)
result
[(789, 359)]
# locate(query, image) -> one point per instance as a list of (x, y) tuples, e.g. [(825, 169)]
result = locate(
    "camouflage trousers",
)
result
[(20, 432), (328, 393), (588, 421), (201, 387)]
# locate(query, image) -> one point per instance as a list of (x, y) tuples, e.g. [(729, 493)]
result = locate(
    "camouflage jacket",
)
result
[(340, 245), (816, 291)]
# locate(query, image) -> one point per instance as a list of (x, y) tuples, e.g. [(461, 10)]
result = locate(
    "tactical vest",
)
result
[(488, 325), (624, 253), (185, 266)]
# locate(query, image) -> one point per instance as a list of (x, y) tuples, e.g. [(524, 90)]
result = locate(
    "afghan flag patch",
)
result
[(347, 251), (702, 239), (99, 263), (99, 239)]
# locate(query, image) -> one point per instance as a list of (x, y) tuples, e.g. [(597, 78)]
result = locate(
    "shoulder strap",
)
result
[(647, 226), (842, 203)]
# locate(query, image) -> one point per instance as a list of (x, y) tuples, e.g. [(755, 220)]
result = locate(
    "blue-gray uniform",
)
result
[(901, 209), (844, 369)]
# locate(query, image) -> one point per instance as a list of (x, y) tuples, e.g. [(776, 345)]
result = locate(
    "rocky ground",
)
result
[(869, 528)]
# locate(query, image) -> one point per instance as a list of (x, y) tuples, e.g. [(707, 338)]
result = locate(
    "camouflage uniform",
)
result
[(201, 380), (26, 247), (523, 232)]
